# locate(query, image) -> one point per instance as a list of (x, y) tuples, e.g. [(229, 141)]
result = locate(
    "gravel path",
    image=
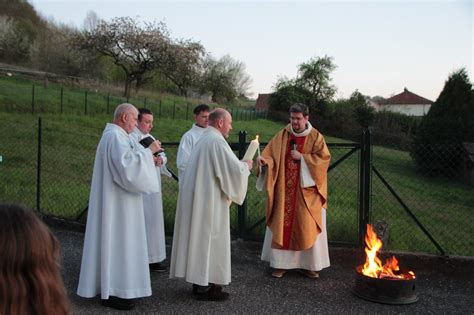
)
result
[(444, 286)]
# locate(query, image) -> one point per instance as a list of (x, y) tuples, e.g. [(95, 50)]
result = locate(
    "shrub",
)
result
[(437, 148)]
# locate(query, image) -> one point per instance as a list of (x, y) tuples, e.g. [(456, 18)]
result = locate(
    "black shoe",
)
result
[(214, 293), (200, 289), (119, 303), (158, 267)]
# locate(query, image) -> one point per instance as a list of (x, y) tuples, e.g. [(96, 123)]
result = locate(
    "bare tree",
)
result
[(135, 49), (183, 64), (91, 21), (54, 51), (225, 78)]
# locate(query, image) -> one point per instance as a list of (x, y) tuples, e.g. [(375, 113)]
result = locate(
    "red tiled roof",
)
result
[(262, 101), (406, 98)]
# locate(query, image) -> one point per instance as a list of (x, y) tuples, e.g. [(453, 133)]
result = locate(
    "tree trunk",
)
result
[(128, 83)]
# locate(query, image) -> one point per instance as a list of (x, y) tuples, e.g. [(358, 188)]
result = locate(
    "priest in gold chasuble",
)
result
[(294, 173)]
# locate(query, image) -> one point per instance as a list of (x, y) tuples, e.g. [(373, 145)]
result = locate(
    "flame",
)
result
[(256, 138), (373, 265)]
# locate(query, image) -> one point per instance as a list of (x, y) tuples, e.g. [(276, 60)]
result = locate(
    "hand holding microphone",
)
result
[(295, 154)]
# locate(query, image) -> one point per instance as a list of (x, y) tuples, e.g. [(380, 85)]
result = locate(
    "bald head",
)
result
[(221, 119), (126, 116), (216, 115)]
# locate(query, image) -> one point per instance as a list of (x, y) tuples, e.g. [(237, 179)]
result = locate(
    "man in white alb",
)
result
[(191, 137), (214, 178), (115, 258), (153, 203)]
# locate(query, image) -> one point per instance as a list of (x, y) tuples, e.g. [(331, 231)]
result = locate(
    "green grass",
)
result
[(68, 150), (29, 96)]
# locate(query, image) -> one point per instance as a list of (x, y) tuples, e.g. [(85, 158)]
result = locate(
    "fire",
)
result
[(373, 265)]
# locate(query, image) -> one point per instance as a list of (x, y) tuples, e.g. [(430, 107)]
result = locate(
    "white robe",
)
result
[(186, 145), (314, 258), (153, 206), (214, 178), (115, 258)]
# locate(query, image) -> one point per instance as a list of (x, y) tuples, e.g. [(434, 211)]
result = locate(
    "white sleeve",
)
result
[(305, 175), (163, 168), (184, 151), (262, 179)]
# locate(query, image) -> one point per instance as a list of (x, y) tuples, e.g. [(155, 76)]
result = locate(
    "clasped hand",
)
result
[(155, 146), (249, 164)]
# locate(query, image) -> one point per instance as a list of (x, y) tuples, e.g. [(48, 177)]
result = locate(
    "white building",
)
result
[(407, 103)]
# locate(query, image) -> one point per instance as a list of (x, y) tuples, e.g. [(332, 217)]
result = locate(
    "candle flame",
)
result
[(256, 137)]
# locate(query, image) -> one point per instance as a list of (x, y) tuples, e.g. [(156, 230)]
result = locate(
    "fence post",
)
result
[(85, 103), (38, 168), (160, 108), (241, 209), (364, 183), (187, 109), (108, 102), (33, 99), (62, 92)]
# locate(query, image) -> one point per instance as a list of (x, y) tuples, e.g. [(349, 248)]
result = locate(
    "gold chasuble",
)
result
[(293, 212)]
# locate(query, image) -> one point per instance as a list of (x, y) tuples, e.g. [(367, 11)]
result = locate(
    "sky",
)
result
[(379, 47)]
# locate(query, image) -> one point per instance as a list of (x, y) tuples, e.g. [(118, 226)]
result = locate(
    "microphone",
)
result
[(293, 144), (294, 147)]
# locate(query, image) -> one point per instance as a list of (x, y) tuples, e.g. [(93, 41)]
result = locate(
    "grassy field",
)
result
[(68, 147), (21, 95)]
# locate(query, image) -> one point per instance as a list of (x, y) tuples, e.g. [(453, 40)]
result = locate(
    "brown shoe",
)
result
[(311, 274), (278, 273)]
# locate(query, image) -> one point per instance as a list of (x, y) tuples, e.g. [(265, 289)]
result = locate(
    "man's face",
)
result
[(226, 125), (130, 120), (202, 119), (145, 125), (298, 122)]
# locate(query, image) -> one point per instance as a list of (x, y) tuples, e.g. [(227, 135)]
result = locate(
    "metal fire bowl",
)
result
[(386, 291)]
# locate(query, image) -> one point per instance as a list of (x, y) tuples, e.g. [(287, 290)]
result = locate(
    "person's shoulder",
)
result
[(112, 130), (213, 137), (280, 134), (186, 136), (315, 132)]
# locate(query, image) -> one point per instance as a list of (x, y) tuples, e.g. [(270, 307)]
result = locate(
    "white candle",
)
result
[(254, 145)]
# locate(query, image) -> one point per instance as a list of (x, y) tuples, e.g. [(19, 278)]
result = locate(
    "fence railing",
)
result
[(367, 184), (42, 98)]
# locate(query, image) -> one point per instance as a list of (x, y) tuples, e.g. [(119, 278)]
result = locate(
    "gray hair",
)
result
[(123, 109), (299, 108), (217, 114)]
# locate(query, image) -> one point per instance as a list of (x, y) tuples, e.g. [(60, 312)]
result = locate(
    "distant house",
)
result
[(407, 103), (371, 103), (262, 101)]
